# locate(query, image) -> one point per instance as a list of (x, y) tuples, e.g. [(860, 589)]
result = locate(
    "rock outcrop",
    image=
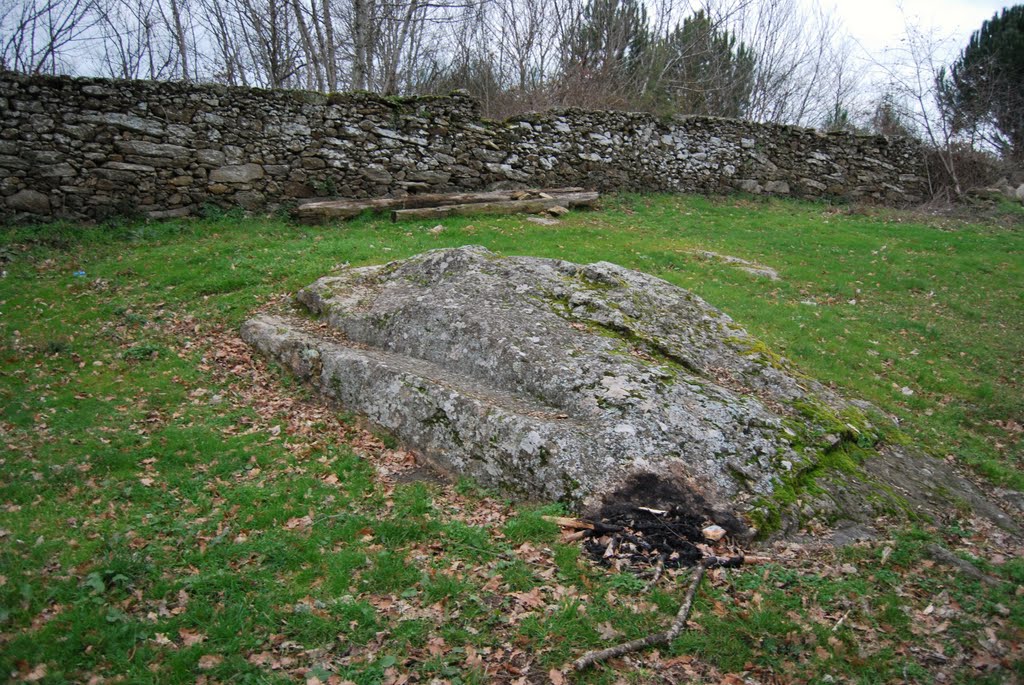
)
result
[(584, 383)]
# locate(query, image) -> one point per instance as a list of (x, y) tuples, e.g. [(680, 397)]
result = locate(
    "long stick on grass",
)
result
[(678, 625), (591, 658)]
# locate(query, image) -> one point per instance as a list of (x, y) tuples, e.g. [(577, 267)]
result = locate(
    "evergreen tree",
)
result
[(889, 119), (985, 86), (607, 43), (703, 70)]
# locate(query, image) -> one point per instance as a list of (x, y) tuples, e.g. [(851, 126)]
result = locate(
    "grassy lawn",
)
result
[(174, 510)]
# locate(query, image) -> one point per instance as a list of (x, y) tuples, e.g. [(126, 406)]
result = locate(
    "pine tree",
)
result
[(984, 89), (702, 69)]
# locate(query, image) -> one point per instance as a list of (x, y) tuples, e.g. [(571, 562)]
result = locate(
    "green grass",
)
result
[(163, 500)]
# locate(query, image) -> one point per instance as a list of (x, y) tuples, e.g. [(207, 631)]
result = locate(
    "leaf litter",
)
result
[(941, 633)]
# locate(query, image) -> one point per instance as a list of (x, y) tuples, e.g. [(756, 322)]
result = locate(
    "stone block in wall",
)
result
[(238, 173), (297, 190), (490, 156), (13, 162), (234, 155), (29, 200), (127, 122), (210, 157), (126, 166), (31, 106), (277, 170), (144, 148), (57, 170), (249, 199), (129, 178), (95, 90), (375, 173), (429, 177)]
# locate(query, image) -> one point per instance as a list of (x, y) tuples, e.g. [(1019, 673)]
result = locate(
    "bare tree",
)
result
[(225, 60), (134, 40), (805, 71), (312, 48), (363, 41), (912, 74), (180, 33), (34, 34)]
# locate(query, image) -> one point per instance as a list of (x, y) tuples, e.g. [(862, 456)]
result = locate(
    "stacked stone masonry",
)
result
[(83, 148)]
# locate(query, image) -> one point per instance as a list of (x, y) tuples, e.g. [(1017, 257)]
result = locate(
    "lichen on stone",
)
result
[(490, 367)]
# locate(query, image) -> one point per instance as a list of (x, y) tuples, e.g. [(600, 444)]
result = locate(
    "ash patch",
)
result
[(625, 535), (645, 491)]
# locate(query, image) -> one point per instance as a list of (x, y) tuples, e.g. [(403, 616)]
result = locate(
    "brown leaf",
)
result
[(531, 600), (190, 637), (607, 631), (473, 660), (985, 661), (208, 661), (299, 523), (436, 646), (35, 675), (556, 676), (162, 640)]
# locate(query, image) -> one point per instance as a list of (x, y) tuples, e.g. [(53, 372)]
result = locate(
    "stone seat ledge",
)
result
[(423, 405)]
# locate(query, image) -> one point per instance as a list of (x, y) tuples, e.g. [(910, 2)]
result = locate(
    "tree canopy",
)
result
[(700, 68), (984, 89)]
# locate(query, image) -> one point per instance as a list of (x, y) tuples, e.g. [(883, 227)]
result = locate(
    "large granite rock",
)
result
[(583, 383)]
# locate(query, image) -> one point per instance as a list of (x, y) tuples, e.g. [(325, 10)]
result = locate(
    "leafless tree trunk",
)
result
[(362, 43), (327, 44), (314, 64), (180, 38), (803, 61), (397, 47)]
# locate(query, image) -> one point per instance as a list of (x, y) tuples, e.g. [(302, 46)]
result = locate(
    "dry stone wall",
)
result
[(82, 148)]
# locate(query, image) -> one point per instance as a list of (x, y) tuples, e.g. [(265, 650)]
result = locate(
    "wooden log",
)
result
[(566, 522), (499, 207), (322, 210)]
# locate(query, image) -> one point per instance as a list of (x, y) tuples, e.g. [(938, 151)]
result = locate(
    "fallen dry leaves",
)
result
[(304, 428)]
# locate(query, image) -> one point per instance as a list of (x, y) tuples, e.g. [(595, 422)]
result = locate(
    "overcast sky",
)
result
[(879, 24)]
